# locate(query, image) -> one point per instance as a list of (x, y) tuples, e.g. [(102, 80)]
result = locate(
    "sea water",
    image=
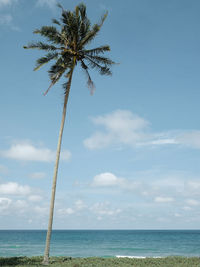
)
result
[(103, 243)]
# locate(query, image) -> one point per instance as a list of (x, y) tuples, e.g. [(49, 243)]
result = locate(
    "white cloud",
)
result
[(42, 211), (186, 208), (192, 202), (12, 188), (65, 155), (121, 120), (5, 19), (106, 179), (79, 204), (163, 199), (7, 2), (110, 180), (98, 140), (177, 215), (67, 211), (49, 3), (153, 187), (3, 169), (169, 182), (37, 175), (4, 203), (191, 139), (121, 126), (28, 152), (193, 188), (162, 142), (20, 204), (194, 184), (103, 208), (14, 207), (35, 198)]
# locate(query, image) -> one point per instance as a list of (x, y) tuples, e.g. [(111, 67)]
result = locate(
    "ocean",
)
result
[(103, 243)]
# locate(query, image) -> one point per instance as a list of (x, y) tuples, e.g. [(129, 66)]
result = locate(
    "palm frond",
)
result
[(56, 71), (77, 11), (60, 66), (92, 33), (51, 33), (66, 86), (46, 92), (82, 10), (54, 80), (44, 60), (68, 19), (60, 6), (102, 60), (103, 70), (41, 46), (83, 21), (55, 21), (98, 50), (90, 83), (70, 27), (84, 28)]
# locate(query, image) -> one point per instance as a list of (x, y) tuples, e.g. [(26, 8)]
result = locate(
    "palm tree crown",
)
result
[(67, 46)]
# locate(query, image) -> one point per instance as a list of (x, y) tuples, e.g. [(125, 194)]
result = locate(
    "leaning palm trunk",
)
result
[(51, 211), (67, 46)]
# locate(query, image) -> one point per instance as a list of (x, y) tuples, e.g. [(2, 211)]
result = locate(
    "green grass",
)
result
[(101, 262)]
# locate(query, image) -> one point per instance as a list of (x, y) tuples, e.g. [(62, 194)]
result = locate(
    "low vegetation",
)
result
[(99, 262)]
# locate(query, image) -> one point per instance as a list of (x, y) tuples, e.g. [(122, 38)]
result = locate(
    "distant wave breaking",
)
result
[(135, 257)]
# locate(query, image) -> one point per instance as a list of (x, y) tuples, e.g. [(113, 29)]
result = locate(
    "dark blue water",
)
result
[(104, 243)]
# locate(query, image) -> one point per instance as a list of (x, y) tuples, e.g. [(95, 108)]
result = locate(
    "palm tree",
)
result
[(67, 42)]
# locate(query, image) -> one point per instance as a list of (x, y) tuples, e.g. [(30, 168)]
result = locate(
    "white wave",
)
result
[(136, 257)]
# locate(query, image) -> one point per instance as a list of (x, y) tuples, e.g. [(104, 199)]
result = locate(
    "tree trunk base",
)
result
[(45, 262)]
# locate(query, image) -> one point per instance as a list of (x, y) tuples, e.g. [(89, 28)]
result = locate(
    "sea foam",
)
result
[(135, 257)]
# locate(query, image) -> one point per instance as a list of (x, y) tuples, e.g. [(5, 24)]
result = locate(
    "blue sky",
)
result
[(130, 154)]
